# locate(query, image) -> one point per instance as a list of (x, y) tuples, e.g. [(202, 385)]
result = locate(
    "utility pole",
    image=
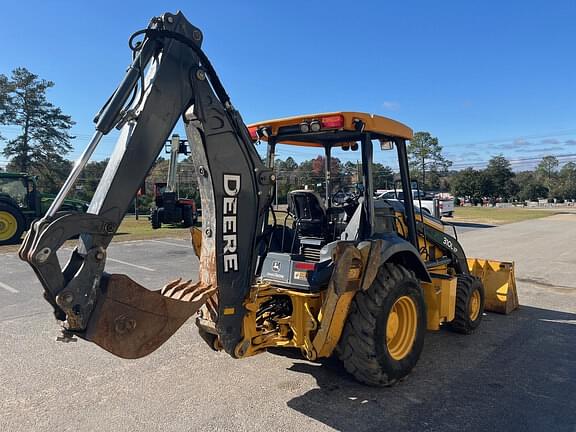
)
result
[(173, 166), (136, 205)]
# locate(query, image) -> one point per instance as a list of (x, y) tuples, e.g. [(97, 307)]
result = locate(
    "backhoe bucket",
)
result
[(499, 284), (130, 321)]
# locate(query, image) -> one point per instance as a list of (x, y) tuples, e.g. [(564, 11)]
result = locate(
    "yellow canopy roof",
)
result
[(373, 123)]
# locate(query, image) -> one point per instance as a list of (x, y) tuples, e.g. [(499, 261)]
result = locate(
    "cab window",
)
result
[(16, 189)]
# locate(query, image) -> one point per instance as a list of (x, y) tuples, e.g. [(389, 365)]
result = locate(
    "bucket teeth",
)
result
[(174, 288), (170, 286), (187, 291), (199, 294)]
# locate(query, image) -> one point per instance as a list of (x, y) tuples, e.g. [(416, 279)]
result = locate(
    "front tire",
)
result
[(12, 224), (469, 305), (384, 332)]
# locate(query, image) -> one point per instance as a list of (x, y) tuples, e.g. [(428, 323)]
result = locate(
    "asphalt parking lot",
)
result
[(517, 372)]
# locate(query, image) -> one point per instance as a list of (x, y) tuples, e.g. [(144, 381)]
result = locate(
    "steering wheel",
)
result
[(339, 198)]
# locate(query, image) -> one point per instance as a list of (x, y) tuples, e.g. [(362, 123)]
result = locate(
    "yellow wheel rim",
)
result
[(474, 306), (8, 226), (401, 327)]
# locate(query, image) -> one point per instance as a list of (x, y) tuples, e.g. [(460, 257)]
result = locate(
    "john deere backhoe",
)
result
[(358, 277)]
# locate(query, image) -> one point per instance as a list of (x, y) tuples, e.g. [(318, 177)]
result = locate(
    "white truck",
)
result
[(445, 206)]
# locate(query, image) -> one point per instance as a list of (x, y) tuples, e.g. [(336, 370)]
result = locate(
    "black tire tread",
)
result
[(461, 322), (155, 219), (356, 348)]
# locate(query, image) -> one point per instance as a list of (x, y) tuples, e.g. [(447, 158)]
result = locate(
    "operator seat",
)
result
[(309, 212)]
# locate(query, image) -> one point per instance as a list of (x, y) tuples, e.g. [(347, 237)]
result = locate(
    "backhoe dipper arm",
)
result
[(175, 79)]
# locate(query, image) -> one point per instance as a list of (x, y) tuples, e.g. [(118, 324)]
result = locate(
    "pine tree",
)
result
[(499, 171), (43, 140), (546, 169), (425, 157)]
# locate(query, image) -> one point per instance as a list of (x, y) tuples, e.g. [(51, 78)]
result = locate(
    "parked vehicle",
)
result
[(427, 201), (21, 203), (169, 208)]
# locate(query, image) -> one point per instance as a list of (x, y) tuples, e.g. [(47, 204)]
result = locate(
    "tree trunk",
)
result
[(25, 149), (423, 172), (24, 160)]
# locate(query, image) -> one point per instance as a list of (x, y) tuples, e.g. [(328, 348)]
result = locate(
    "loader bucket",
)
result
[(499, 284)]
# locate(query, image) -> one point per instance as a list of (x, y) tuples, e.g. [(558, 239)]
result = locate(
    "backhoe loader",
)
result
[(356, 277)]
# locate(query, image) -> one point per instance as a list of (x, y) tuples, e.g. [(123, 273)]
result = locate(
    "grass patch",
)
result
[(499, 215), (132, 229)]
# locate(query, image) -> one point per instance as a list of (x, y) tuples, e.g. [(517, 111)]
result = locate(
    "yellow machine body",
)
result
[(440, 298), (316, 321)]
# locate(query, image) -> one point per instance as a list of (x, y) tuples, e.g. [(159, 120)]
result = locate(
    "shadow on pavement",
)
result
[(516, 373)]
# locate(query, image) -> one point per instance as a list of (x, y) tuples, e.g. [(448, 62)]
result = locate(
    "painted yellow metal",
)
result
[(292, 331), (356, 269), (401, 327), (427, 253), (196, 235), (317, 319), (372, 123), (335, 311), (474, 306), (440, 299), (8, 226), (499, 284)]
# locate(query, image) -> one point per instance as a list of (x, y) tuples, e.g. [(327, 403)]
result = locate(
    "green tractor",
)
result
[(21, 203)]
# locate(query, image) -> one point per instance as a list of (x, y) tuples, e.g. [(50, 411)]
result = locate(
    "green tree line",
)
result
[(43, 140), (498, 182)]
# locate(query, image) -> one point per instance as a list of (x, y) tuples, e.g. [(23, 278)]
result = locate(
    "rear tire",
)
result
[(155, 219), (384, 332), (12, 224), (469, 305)]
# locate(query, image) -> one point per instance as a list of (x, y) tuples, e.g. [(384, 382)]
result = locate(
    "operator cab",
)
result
[(302, 238)]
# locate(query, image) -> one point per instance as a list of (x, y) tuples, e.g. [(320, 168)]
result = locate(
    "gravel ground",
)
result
[(517, 372)]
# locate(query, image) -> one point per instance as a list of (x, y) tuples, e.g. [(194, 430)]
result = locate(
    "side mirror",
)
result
[(386, 145)]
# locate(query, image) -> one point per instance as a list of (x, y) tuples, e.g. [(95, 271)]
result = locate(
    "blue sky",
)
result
[(484, 77)]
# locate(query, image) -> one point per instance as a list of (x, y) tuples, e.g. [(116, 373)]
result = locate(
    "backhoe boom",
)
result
[(169, 78)]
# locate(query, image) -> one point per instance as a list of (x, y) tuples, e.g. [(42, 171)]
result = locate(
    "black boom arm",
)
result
[(170, 78)]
